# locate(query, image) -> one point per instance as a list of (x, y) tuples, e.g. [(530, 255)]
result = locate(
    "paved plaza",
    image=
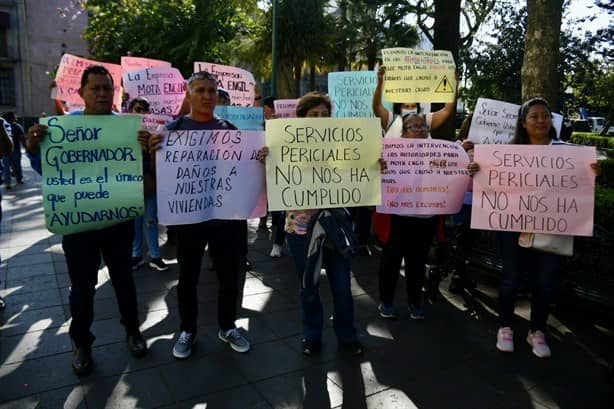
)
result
[(448, 360)]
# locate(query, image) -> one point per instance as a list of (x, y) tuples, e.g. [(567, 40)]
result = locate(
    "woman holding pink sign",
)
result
[(533, 127)]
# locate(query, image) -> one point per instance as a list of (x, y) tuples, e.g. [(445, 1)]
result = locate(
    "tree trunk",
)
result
[(446, 37), (539, 73)]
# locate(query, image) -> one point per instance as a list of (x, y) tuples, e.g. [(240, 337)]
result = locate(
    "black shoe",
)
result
[(137, 345), (2, 304), (82, 361), (352, 348), (311, 347), (457, 285), (365, 251)]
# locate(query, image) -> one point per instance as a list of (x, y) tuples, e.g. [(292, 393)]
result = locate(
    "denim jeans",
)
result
[(149, 223), (338, 272), (542, 269), (10, 162)]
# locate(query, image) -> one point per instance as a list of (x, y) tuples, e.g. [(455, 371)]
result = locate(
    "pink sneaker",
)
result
[(505, 339), (537, 340)]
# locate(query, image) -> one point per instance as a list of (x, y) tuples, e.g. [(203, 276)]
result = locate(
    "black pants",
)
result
[(362, 217), (83, 252), (410, 239), (226, 241)]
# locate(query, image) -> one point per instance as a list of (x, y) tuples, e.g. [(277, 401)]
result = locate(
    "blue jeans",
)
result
[(12, 161), (542, 269), (338, 271), (149, 223)]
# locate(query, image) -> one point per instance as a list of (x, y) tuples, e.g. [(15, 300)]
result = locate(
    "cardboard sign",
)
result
[(423, 176), (285, 108), (419, 75), (139, 63), (495, 121), (534, 188), (210, 174), (68, 79), (92, 172), (317, 163), (163, 87), (352, 93), (244, 118), (239, 83)]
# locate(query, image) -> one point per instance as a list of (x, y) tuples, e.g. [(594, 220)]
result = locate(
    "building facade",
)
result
[(33, 36)]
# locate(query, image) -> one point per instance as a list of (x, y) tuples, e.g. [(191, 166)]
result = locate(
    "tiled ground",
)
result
[(446, 361)]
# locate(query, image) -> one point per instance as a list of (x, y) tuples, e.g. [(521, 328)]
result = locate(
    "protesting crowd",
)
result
[(336, 172)]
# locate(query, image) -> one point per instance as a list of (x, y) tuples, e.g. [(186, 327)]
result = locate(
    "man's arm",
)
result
[(36, 133), (378, 108)]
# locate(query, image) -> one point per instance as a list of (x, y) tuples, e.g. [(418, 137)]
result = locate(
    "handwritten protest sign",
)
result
[(317, 163), (152, 123), (285, 108), (495, 121), (68, 78), (418, 75), (352, 93), (244, 118), (238, 82), (204, 174), (423, 176), (534, 188), (163, 87), (139, 63), (92, 172)]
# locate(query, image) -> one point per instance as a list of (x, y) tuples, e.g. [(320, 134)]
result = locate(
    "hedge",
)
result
[(606, 178), (592, 139), (604, 208)]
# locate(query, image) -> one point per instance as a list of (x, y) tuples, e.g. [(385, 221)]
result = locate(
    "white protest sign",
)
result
[(68, 79), (138, 63), (351, 93), (494, 122), (285, 108), (163, 87), (423, 176), (210, 174), (534, 188), (239, 83)]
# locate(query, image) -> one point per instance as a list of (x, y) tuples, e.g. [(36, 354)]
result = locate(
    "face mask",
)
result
[(406, 111)]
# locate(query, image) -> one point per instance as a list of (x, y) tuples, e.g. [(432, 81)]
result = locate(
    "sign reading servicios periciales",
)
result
[(92, 172)]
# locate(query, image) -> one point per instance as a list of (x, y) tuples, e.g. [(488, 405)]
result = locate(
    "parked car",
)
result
[(596, 123), (581, 125)]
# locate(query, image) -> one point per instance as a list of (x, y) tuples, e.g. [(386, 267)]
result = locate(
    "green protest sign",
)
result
[(92, 172)]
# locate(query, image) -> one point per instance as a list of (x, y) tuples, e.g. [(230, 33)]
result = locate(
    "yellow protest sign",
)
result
[(317, 163), (418, 75)]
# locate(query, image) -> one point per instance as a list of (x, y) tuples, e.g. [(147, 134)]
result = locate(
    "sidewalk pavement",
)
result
[(449, 360)]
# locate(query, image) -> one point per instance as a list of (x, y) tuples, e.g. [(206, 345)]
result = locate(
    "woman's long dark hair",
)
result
[(521, 137)]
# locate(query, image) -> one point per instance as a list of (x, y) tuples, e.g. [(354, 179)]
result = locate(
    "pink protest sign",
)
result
[(536, 189), (68, 78), (152, 123), (285, 108), (164, 88), (138, 63), (423, 176), (238, 82)]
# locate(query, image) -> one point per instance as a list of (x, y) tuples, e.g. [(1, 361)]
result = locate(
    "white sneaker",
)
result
[(276, 251), (505, 339), (537, 340)]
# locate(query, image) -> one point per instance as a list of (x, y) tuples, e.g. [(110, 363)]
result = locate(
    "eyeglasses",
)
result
[(202, 75), (416, 128)]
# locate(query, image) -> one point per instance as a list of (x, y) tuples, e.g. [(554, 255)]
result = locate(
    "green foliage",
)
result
[(179, 31), (592, 139), (493, 65), (604, 208), (606, 178)]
